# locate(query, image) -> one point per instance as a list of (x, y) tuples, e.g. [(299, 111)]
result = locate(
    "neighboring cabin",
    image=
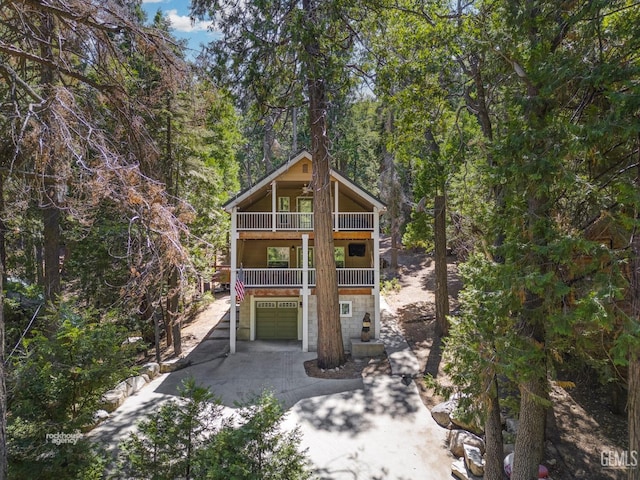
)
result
[(272, 245)]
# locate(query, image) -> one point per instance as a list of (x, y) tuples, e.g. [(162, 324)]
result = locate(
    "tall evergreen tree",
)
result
[(281, 53)]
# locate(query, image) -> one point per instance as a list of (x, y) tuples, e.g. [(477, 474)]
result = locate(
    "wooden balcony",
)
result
[(298, 221), (292, 277)]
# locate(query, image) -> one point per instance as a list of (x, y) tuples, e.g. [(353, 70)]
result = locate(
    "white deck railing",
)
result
[(292, 277), (301, 221)]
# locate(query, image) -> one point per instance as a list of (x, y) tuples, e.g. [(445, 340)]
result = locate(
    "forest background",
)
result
[(517, 122)]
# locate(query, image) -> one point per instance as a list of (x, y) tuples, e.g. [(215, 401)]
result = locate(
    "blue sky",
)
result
[(178, 13)]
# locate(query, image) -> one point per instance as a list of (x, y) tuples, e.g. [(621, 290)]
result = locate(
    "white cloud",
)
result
[(182, 23), (154, 1)]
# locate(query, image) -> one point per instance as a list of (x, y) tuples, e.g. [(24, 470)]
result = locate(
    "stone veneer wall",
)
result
[(351, 326), (244, 319)]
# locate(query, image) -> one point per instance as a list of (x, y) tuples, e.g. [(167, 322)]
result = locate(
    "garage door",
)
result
[(277, 320)]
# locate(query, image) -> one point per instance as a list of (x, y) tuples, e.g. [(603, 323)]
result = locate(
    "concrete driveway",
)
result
[(369, 428)]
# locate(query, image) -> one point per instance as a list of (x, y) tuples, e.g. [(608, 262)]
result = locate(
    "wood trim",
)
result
[(295, 292), (354, 291), (268, 235), (286, 235), (352, 235), (274, 292)]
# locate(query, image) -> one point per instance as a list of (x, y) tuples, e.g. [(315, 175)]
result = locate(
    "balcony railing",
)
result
[(301, 221), (292, 277)]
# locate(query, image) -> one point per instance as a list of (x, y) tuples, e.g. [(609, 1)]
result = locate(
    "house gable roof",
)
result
[(284, 168)]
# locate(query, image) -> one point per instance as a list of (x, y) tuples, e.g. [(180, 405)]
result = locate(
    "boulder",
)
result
[(459, 470), (472, 425), (124, 387), (100, 416), (152, 369), (174, 365), (473, 460), (441, 413), (458, 438), (135, 383), (113, 399)]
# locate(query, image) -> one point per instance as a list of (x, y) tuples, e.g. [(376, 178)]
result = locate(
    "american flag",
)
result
[(240, 285)]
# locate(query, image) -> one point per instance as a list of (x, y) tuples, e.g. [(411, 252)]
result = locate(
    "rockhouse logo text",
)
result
[(619, 459), (60, 438)]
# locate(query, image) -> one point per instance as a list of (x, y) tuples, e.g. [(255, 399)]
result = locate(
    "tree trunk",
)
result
[(172, 311), (267, 144), (442, 292), (51, 220), (3, 230), (50, 209), (530, 439), (633, 410), (3, 389), (393, 194), (633, 403), (493, 469), (330, 347), (294, 130)]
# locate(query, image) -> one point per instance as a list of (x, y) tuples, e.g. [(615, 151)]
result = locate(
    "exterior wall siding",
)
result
[(244, 319), (351, 326)]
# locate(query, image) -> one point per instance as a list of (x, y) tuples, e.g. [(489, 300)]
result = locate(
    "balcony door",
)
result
[(305, 209), (310, 260)]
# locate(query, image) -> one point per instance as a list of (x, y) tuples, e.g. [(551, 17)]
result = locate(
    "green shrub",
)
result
[(189, 439), (55, 385)]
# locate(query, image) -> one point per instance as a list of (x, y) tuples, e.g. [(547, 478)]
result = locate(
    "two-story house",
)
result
[(272, 254)]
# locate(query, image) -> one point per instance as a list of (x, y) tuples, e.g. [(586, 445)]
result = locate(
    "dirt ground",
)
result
[(580, 426)]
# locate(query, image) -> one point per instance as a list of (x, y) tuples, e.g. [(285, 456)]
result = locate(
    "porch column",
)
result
[(376, 270), (274, 199), (305, 292), (336, 224), (233, 238)]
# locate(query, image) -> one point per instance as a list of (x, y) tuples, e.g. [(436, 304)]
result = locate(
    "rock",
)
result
[(473, 460), (124, 387), (135, 383), (113, 399), (152, 369), (512, 425), (473, 425), (459, 470), (458, 438), (174, 365), (441, 413), (100, 416)]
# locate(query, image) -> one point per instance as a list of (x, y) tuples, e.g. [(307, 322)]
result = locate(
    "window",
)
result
[(278, 257), (310, 259), (305, 208), (345, 308), (283, 204), (338, 254)]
